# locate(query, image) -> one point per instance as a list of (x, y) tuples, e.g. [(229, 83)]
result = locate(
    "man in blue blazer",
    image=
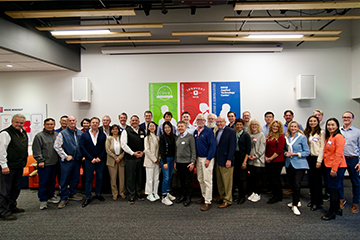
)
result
[(224, 157), (92, 146)]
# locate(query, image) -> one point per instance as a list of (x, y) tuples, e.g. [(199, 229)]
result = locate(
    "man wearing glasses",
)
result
[(205, 149), (351, 152)]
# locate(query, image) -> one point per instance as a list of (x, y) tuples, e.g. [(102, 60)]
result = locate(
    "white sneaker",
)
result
[(251, 196), (171, 197), (156, 196), (54, 199), (296, 211), (43, 205), (151, 198), (291, 205), (255, 198), (167, 201)]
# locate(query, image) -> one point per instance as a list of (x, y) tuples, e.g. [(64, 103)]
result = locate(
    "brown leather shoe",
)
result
[(342, 203), (205, 207), (218, 200), (354, 208), (200, 201), (288, 191), (224, 205)]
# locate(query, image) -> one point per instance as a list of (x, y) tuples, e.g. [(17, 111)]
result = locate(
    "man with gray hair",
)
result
[(211, 122), (13, 158), (205, 150)]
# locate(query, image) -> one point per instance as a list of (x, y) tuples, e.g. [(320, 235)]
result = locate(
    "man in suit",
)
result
[(105, 125), (224, 157), (148, 116), (123, 119), (92, 146)]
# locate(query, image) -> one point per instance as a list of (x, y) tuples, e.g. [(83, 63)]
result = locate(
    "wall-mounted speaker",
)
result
[(305, 87), (81, 90)]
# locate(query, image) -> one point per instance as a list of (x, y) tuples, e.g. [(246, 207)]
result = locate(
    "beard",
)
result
[(211, 125)]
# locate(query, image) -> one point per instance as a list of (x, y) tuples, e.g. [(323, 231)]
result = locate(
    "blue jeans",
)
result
[(70, 174), (355, 180), (89, 170), (46, 182), (167, 174)]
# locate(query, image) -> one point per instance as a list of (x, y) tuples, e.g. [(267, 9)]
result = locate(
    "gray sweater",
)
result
[(43, 148), (185, 149), (258, 143)]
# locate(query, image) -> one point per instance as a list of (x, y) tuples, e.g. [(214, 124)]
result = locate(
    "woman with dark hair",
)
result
[(335, 164), (274, 157), (296, 151), (85, 123), (242, 152), (167, 153), (151, 162), (316, 140), (115, 162)]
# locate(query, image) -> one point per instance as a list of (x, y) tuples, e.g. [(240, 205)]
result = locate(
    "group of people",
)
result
[(240, 158)]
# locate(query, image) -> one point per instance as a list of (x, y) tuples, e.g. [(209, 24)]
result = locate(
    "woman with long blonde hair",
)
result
[(274, 157), (296, 151)]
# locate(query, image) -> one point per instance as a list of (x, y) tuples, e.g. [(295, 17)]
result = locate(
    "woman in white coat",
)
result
[(151, 163)]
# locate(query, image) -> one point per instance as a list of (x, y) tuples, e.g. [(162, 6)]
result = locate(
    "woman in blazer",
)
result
[(151, 163), (316, 140), (296, 151), (115, 162), (274, 157), (335, 164)]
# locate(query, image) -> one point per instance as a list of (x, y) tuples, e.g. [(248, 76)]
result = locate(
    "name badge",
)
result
[(142, 136), (315, 139), (182, 142), (255, 139), (329, 142)]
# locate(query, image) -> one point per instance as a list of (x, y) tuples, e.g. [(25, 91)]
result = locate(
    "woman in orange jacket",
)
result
[(335, 164)]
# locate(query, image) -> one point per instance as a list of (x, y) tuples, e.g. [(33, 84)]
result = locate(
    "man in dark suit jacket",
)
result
[(224, 156), (148, 117), (92, 146)]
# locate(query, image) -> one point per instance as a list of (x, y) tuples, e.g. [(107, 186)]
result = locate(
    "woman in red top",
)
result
[(335, 164), (274, 157)]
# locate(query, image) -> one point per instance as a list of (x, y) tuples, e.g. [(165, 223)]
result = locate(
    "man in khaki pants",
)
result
[(224, 156), (205, 150)]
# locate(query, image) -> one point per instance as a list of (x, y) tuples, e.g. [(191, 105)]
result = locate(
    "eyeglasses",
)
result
[(347, 117)]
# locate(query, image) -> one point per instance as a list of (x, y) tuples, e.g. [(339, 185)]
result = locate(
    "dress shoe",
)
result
[(86, 202), (224, 205), (17, 210), (122, 196), (187, 202), (218, 200), (288, 191), (9, 217), (205, 207), (180, 199), (200, 201), (100, 198), (327, 218), (241, 200), (339, 212), (131, 201), (342, 203), (315, 207), (354, 208), (114, 198)]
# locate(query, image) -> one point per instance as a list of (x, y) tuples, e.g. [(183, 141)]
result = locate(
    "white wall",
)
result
[(120, 83)]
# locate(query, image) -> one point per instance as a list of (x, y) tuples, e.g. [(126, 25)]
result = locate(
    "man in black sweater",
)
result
[(92, 146), (13, 158), (132, 141)]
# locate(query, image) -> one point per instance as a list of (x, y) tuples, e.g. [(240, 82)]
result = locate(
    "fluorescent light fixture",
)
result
[(275, 36), (183, 49), (9, 65), (79, 32)]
